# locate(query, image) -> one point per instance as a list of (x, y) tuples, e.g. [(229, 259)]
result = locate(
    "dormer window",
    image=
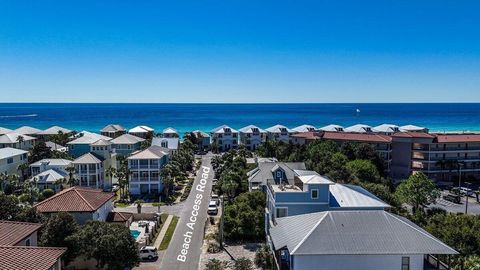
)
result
[(279, 174), (255, 130), (283, 130)]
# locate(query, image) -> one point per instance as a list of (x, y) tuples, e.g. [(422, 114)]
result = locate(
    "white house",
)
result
[(27, 130), (57, 164), (170, 133), (279, 133), (171, 143), (145, 169), (142, 131), (387, 129), (359, 128), (17, 140), (89, 170), (332, 128), (304, 128), (83, 203), (252, 136), (51, 179), (11, 158), (413, 128), (224, 137), (345, 240)]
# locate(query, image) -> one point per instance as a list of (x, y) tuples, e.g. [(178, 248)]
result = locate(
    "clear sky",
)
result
[(239, 51)]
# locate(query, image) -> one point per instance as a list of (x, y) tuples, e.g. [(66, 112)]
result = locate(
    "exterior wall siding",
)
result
[(348, 262)]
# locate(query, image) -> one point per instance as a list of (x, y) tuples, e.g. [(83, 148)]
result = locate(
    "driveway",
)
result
[(184, 250), (473, 205)]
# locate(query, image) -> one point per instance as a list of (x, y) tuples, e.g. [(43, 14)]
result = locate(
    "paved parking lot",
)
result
[(473, 205)]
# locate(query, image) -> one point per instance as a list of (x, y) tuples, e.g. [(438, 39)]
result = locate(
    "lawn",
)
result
[(169, 233), (121, 205)]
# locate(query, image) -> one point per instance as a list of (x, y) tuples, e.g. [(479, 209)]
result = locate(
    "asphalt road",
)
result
[(184, 250)]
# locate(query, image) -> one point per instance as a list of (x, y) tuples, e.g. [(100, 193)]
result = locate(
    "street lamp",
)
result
[(460, 165)]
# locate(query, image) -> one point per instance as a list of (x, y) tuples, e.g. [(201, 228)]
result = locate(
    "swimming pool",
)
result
[(135, 233)]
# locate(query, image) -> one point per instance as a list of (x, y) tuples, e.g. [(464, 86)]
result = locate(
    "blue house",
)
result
[(310, 192), (81, 145)]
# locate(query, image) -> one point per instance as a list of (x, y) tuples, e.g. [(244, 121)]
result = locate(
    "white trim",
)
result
[(311, 194)]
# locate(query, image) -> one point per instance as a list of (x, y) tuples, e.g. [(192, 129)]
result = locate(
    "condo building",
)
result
[(145, 167), (224, 138), (279, 133)]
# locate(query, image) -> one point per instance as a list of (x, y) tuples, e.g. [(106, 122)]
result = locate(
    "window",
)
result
[(27, 242), (281, 212), (314, 194), (10, 160), (405, 263)]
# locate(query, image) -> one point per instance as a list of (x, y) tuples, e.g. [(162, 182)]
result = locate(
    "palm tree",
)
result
[(22, 168), (20, 140), (111, 172), (166, 173), (71, 180)]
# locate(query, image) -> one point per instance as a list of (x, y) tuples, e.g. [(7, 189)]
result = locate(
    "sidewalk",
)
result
[(162, 232)]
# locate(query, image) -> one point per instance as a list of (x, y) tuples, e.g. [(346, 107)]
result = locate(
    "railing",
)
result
[(432, 263)]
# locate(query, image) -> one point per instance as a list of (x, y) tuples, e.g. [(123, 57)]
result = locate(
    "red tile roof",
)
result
[(12, 232), (311, 135), (28, 258), (421, 135), (75, 199), (118, 216), (457, 138), (359, 137)]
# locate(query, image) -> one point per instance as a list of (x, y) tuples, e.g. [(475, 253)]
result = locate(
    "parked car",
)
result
[(466, 191), (455, 198), (148, 253), (212, 208), (216, 199)]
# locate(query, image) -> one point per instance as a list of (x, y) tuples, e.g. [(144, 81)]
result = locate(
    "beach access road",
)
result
[(184, 250)]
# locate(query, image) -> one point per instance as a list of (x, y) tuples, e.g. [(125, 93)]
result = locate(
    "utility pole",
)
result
[(221, 223)]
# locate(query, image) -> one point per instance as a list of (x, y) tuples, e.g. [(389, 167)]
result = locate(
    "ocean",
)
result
[(186, 117)]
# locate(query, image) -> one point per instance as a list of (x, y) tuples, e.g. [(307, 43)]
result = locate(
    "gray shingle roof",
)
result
[(249, 129), (12, 137), (304, 128), (27, 130), (54, 131), (87, 158), (152, 152), (4, 130), (263, 173), (112, 128), (127, 139), (354, 232), (89, 138)]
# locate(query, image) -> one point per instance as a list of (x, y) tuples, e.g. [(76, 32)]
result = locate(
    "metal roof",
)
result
[(222, 128), (250, 128), (27, 130), (277, 129), (304, 128), (52, 162), (8, 152), (12, 137), (127, 139), (360, 128), (335, 128), (54, 131), (89, 138), (354, 233), (49, 176), (112, 128), (87, 158), (169, 130), (342, 195), (263, 172)]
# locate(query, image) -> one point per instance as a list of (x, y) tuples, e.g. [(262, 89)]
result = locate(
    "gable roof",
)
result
[(359, 137), (112, 128), (27, 130), (53, 146), (11, 152), (54, 130), (386, 128), (4, 130), (26, 258), (75, 199), (12, 232), (344, 195), (118, 216), (49, 176), (12, 137), (127, 139), (250, 128), (304, 128), (277, 129), (413, 128), (172, 143), (89, 138), (52, 162), (315, 179), (221, 129), (332, 127), (354, 232), (359, 128), (141, 129), (101, 142), (152, 152), (264, 172), (169, 130), (87, 158)]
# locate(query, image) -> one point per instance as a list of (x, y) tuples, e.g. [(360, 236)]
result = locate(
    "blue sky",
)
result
[(239, 51)]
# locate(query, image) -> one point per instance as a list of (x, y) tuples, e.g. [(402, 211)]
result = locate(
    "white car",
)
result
[(115, 187), (466, 191), (212, 208), (216, 199), (148, 253)]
